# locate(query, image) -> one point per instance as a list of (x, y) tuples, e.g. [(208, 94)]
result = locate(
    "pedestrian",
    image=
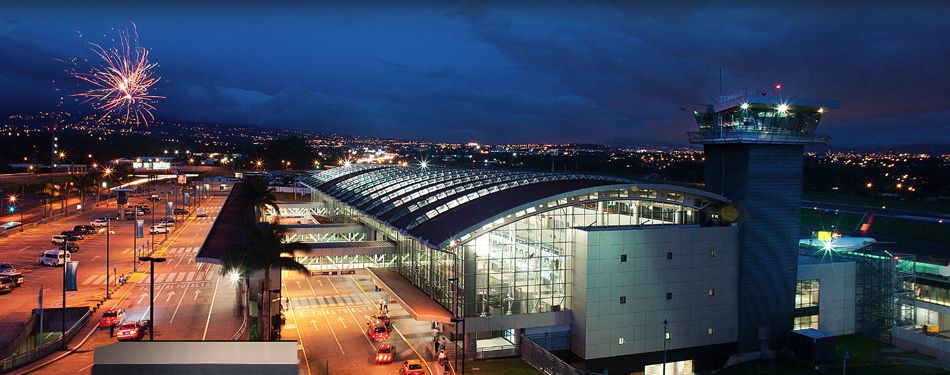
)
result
[(385, 309), (442, 357), (443, 343)]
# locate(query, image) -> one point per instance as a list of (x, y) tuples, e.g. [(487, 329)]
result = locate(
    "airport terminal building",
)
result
[(624, 274), (589, 263)]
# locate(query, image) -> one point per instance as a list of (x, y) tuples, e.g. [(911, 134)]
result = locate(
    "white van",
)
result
[(53, 258)]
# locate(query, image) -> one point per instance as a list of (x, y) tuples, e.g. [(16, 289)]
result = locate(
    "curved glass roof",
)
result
[(437, 202)]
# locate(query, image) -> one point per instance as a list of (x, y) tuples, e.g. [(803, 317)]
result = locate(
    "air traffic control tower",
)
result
[(754, 149)]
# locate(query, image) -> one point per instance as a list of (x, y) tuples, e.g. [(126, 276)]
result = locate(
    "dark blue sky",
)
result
[(504, 73)]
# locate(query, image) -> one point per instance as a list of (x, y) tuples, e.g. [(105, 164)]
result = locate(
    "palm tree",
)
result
[(84, 183), (256, 195), (264, 250), (51, 190)]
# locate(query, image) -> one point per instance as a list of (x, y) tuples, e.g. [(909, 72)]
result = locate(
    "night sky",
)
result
[(497, 73)]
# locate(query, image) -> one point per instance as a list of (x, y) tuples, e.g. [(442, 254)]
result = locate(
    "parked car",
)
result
[(201, 212), (61, 239), (111, 318), (158, 229), (73, 234), (168, 221), (7, 269), (99, 223), (132, 330), (154, 198), (84, 229), (69, 246), (6, 284), (54, 258), (385, 354), (377, 331), (412, 367)]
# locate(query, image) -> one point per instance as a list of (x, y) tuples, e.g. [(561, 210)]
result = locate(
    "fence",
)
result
[(18, 360), (544, 361)]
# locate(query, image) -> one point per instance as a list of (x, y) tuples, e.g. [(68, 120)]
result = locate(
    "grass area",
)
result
[(847, 222), (867, 356), (876, 202), (507, 366)]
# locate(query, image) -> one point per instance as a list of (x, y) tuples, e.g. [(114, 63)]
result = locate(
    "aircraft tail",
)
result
[(866, 226)]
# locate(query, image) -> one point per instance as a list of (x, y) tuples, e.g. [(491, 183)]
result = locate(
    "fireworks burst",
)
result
[(121, 82)]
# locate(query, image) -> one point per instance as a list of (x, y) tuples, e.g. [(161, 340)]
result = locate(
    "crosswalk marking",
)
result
[(326, 301), (191, 276), (160, 277), (89, 280), (181, 276)]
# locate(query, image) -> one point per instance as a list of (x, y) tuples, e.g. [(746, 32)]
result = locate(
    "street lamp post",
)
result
[(151, 293), (63, 310), (108, 237), (152, 231)]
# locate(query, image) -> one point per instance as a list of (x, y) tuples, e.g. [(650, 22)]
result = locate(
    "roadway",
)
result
[(327, 317), (192, 301)]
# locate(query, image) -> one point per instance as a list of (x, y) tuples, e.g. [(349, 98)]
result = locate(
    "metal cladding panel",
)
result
[(764, 182)]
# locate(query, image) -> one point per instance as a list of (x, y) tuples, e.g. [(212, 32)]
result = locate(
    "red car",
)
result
[(111, 318), (385, 354), (384, 318), (377, 331), (413, 367), (132, 330)]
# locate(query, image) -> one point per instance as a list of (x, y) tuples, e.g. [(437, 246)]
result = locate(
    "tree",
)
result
[(256, 195), (51, 190), (84, 183), (265, 249)]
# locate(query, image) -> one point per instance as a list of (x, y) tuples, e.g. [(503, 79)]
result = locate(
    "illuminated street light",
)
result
[(783, 108), (744, 106), (234, 276), (424, 164)]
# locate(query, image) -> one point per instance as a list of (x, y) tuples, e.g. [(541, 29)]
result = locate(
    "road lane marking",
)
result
[(303, 348), (393, 326), (211, 309), (183, 294), (334, 334), (364, 335), (331, 284)]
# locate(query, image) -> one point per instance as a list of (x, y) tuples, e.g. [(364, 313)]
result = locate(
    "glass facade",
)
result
[(933, 294), (521, 263), (807, 321), (806, 293)]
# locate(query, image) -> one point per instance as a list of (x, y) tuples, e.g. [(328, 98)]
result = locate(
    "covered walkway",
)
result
[(413, 299)]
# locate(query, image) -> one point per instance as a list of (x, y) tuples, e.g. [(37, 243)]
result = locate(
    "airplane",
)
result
[(834, 241)]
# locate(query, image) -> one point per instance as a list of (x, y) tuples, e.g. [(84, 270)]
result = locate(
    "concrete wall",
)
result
[(836, 295), (765, 183), (600, 279)]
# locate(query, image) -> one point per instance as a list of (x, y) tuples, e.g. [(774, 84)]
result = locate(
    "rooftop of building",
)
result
[(437, 205)]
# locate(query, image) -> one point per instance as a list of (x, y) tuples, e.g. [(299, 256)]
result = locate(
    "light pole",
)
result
[(167, 194), (63, 310), (108, 237), (135, 237), (152, 232), (151, 293)]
